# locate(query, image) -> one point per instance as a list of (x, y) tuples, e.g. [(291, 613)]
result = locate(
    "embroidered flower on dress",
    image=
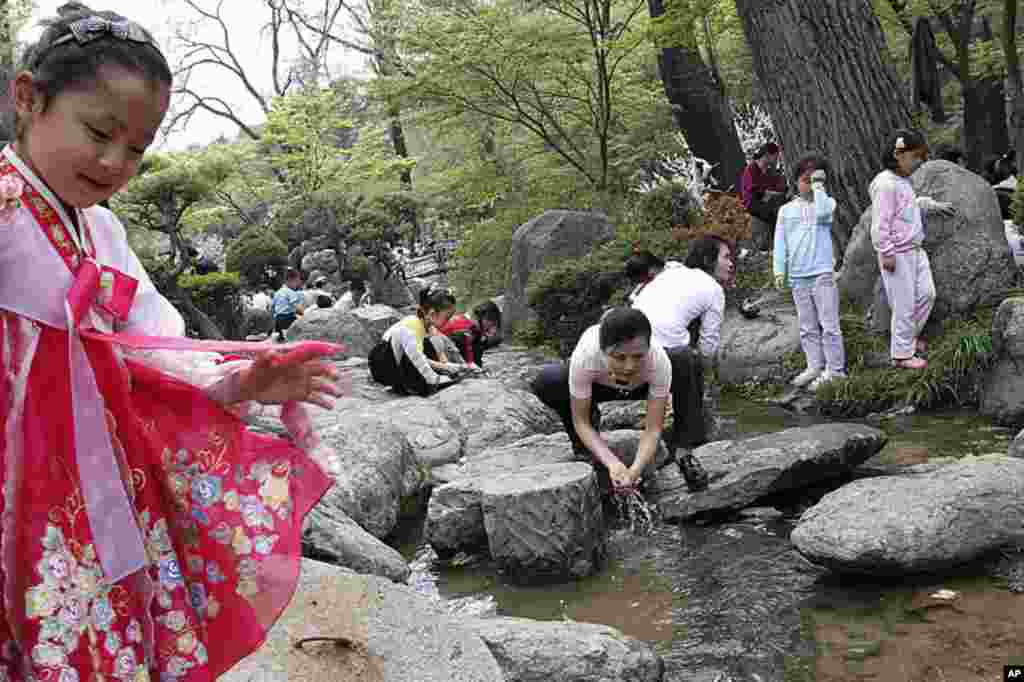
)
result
[(206, 490), (170, 571), (11, 188), (255, 514)]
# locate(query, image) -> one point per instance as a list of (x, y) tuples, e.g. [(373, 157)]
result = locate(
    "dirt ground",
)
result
[(968, 639)]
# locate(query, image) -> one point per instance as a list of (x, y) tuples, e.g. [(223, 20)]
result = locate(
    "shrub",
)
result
[(666, 205), (258, 255), (219, 295), (480, 263)]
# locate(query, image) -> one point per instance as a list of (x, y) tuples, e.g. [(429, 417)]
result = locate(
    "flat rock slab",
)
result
[(741, 471), (397, 636), (495, 461), (529, 650), (545, 523), (894, 525)]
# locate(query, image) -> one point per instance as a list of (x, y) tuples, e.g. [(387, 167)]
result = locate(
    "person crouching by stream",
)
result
[(474, 335), (613, 360), (404, 361), (288, 303)]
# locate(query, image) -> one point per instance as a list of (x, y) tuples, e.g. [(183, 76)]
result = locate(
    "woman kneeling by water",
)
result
[(614, 360), (403, 361)]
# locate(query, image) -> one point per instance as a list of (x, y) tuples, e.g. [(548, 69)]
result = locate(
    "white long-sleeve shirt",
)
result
[(677, 297)]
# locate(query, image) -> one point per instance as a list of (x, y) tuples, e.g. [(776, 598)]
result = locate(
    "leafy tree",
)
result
[(259, 256), (166, 190), (968, 51), (560, 71)]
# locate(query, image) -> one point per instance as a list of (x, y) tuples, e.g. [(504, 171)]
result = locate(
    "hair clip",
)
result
[(84, 31), (900, 144)]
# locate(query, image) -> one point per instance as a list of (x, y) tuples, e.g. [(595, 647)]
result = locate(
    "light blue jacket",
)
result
[(803, 237)]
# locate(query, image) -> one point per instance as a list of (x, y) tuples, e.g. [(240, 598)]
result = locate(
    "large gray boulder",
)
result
[(1002, 395), (455, 518), (545, 523), (742, 471), (894, 525), (328, 534), (377, 471), (551, 237), (396, 635), (487, 413), (329, 324), (755, 349), (552, 651), (377, 318), (970, 259)]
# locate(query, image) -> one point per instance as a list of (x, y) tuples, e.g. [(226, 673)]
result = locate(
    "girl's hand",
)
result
[(889, 263), (301, 375)]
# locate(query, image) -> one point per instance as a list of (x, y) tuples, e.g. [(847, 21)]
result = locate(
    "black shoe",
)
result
[(692, 471)]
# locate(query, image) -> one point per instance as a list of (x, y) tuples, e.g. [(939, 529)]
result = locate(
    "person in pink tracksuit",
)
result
[(897, 233)]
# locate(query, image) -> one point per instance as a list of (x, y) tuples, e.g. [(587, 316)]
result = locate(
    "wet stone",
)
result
[(545, 523)]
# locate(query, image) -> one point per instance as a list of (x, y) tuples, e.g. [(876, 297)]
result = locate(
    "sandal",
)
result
[(911, 363)]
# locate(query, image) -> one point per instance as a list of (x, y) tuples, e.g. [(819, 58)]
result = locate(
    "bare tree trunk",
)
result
[(700, 107), (7, 132), (828, 87), (1014, 80), (985, 131)]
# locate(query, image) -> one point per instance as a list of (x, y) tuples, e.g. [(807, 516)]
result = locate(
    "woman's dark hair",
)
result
[(999, 168), (638, 266), (704, 253), (765, 150), (622, 324), (488, 311), (324, 301), (58, 61), (809, 162), (912, 139), (435, 298), (948, 152)]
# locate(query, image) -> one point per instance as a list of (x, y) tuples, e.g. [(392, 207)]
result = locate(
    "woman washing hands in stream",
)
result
[(614, 360)]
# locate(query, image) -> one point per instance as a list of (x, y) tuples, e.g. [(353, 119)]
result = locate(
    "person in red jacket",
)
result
[(473, 336), (763, 191)]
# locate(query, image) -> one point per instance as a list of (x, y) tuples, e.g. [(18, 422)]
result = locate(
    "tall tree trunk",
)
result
[(985, 130), (700, 107), (829, 88), (7, 131), (1014, 79)]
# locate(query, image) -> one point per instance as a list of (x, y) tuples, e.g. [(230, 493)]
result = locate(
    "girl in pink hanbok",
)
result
[(144, 532)]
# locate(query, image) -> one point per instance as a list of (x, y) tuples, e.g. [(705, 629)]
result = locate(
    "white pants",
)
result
[(817, 311), (911, 293)]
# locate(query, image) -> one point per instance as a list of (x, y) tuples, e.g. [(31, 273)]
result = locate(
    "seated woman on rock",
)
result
[(472, 336), (614, 360), (403, 361)]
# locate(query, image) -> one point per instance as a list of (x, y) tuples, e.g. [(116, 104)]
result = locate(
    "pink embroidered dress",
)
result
[(153, 537)]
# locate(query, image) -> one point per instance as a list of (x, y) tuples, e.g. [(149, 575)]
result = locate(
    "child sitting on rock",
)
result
[(403, 361), (804, 255)]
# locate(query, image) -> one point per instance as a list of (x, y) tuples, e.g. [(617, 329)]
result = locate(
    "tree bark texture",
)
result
[(828, 85), (1014, 79), (700, 108), (985, 130)]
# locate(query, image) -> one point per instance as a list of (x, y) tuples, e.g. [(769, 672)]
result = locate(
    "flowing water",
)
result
[(731, 602)]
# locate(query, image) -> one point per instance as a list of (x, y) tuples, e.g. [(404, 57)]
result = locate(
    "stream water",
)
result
[(731, 602)]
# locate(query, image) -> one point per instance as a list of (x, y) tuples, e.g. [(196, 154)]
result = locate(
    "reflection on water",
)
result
[(734, 601)]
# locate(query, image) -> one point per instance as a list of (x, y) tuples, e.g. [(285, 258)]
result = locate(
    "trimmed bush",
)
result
[(219, 295), (259, 256)]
